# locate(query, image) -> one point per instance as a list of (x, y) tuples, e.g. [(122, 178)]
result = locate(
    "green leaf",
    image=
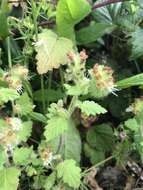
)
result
[(3, 25), (56, 126), (51, 51), (108, 14), (90, 108), (68, 15), (23, 155), (132, 124), (23, 105), (3, 157), (9, 178), (38, 117), (7, 94), (101, 137), (93, 32), (136, 80), (136, 41), (25, 132), (69, 172), (50, 95), (68, 140), (50, 181), (94, 155)]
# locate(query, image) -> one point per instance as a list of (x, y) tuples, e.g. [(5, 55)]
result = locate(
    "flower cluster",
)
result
[(47, 156), (102, 81), (15, 76), (8, 133), (137, 106)]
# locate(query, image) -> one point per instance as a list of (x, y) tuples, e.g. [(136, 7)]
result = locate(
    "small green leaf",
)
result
[(56, 126), (68, 15), (25, 132), (38, 117), (9, 178), (90, 108), (7, 94), (132, 125), (23, 155), (50, 181), (23, 105), (69, 172)]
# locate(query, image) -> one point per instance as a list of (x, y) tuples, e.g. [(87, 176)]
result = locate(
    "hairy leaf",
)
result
[(7, 94), (23, 155), (9, 178), (56, 126), (51, 51), (68, 144), (70, 173), (23, 105), (25, 132), (90, 108)]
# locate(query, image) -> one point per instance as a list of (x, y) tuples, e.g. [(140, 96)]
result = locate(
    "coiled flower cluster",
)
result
[(102, 81)]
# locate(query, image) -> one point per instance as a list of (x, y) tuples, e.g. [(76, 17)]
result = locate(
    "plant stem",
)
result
[(9, 53), (34, 14), (9, 63), (43, 93), (49, 85), (105, 3), (100, 163)]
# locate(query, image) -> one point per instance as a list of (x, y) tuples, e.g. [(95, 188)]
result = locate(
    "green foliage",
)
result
[(93, 154), (101, 137), (38, 117), (93, 32), (135, 80), (23, 156), (57, 123), (7, 94), (4, 31), (68, 15), (90, 108), (23, 105), (51, 95), (9, 178), (136, 41), (68, 140), (73, 177), (69, 131), (50, 181), (25, 132), (51, 51)]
